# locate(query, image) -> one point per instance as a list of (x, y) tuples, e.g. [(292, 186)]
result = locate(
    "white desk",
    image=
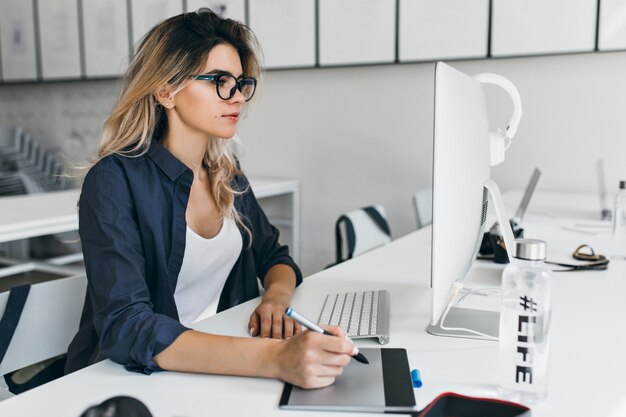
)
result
[(42, 214), (587, 365)]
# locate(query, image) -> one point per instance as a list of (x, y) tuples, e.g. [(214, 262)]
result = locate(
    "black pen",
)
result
[(290, 312)]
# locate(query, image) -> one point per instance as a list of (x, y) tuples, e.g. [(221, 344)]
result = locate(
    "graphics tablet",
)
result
[(383, 385)]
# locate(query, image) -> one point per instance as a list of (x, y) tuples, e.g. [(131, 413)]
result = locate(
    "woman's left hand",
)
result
[(269, 320)]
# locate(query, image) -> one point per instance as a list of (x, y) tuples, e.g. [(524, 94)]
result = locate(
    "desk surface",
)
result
[(587, 365), (54, 212)]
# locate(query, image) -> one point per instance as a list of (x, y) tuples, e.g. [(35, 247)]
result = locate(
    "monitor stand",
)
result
[(480, 324), (459, 318)]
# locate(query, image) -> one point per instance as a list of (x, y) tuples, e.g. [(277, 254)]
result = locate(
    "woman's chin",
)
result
[(224, 134), (225, 137)]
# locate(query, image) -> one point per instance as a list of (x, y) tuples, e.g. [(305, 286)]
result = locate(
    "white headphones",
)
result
[(500, 140)]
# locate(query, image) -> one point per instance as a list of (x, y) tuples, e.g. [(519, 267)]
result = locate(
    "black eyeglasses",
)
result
[(226, 85)]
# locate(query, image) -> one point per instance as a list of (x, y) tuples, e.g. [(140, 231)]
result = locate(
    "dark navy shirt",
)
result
[(132, 228)]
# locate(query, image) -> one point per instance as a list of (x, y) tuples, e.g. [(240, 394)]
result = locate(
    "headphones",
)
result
[(500, 140)]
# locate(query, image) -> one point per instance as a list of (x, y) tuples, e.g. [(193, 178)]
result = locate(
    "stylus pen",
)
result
[(290, 312)]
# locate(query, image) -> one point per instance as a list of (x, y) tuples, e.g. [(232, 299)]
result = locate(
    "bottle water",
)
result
[(525, 325), (618, 249)]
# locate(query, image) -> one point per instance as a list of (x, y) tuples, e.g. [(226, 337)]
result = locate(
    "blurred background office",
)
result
[(346, 106)]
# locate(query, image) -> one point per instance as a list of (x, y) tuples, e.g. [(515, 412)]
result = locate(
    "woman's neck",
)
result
[(187, 147)]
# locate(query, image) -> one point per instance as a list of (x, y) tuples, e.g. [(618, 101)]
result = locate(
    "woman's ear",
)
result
[(165, 97)]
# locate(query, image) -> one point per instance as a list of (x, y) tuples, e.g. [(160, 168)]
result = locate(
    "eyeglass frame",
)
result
[(238, 83)]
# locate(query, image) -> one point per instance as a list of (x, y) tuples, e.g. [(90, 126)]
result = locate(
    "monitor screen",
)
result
[(461, 167)]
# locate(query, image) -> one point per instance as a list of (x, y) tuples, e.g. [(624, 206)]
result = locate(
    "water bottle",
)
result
[(618, 249), (525, 325)]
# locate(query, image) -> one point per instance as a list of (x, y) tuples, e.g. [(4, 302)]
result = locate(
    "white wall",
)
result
[(359, 136)]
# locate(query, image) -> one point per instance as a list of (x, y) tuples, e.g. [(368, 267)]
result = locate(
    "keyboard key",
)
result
[(329, 303), (336, 315)]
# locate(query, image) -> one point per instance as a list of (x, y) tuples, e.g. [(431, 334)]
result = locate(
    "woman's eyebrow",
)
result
[(221, 71)]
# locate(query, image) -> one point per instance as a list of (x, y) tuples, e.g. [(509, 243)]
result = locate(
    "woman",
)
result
[(171, 231)]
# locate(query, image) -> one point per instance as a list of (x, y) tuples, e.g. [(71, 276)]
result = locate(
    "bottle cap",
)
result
[(622, 185), (530, 249)]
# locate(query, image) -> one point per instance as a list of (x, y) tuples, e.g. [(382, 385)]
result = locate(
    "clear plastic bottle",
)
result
[(618, 246), (525, 325)]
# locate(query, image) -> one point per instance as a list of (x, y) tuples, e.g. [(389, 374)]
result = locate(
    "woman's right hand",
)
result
[(313, 360)]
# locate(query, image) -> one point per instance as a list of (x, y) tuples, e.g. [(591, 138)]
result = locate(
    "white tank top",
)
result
[(206, 266)]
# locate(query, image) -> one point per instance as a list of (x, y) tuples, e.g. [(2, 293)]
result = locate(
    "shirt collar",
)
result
[(168, 163)]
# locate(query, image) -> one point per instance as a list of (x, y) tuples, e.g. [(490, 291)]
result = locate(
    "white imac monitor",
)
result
[(461, 186)]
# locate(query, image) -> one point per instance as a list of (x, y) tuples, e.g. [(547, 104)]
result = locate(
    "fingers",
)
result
[(291, 327), (266, 323), (322, 366), (335, 330), (253, 324), (314, 360), (288, 327), (270, 321), (339, 344), (277, 325), (316, 382), (328, 350), (326, 371), (334, 359)]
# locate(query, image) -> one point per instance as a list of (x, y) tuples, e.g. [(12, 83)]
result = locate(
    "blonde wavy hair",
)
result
[(171, 53)]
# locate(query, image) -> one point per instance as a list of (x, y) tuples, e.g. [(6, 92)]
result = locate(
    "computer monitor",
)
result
[(461, 187)]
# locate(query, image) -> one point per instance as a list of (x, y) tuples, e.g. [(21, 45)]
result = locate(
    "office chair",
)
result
[(423, 206), (359, 231), (41, 307)]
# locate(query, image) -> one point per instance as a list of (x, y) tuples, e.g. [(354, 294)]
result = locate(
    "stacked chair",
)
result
[(26, 167)]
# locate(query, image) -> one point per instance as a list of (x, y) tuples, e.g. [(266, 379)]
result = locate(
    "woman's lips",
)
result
[(233, 116)]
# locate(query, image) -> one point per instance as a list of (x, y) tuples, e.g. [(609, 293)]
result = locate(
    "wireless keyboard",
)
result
[(360, 314)]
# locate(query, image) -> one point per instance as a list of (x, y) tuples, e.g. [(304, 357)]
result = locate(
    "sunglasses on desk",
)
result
[(595, 262)]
